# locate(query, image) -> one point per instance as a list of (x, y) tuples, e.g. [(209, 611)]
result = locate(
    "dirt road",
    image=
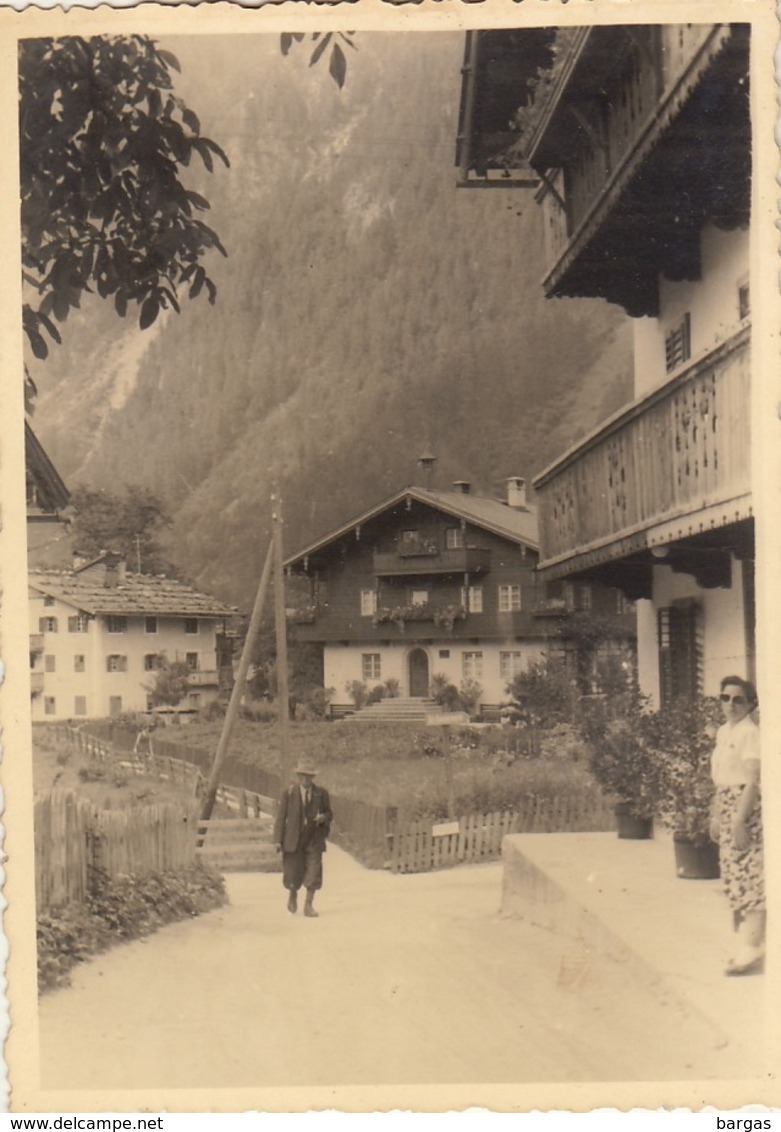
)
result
[(402, 979)]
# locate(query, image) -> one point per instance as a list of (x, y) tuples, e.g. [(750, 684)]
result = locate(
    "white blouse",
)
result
[(737, 744)]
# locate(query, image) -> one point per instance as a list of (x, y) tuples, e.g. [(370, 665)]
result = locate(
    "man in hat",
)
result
[(300, 831)]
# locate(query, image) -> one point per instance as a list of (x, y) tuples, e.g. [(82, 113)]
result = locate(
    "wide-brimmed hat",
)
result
[(305, 765)]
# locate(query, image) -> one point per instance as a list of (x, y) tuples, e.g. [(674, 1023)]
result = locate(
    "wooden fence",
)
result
[(379, 836), (418, 846), (72, 835)]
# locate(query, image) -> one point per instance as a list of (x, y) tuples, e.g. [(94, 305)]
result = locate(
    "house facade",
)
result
[(430, 583), (639, 139), (98, 634)]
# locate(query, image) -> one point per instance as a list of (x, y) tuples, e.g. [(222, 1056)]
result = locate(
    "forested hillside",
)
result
[(368, 310)]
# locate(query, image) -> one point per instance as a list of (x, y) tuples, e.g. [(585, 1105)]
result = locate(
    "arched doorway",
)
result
[(418, 672)]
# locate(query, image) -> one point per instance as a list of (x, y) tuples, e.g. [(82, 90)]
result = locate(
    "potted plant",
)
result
[(682, 735), (621, 759)]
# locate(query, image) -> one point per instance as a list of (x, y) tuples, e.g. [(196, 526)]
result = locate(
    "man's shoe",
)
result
[(309, 910), (292, 902)]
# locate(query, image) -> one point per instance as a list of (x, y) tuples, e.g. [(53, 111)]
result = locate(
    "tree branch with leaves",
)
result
[(103, 141)]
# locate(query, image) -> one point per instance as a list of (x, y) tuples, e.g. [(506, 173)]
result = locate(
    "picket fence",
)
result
[(419, 846), (72, 836)]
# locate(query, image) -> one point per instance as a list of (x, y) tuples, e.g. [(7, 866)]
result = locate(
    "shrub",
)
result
[(214, 710), (259, 711), (358, 692), (544, 695), (119, 909), (444, 693), (392, 687), (376, 694), (318, 701), (469, 696)]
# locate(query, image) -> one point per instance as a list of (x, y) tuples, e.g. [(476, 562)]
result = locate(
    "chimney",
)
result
[(516, 493), (426, 463), (462, 486), (115, 568)]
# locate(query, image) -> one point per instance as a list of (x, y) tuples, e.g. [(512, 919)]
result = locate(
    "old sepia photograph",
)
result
[(395, 652)]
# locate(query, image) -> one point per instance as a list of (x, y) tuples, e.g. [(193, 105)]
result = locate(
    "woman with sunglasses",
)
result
[(737, 821)]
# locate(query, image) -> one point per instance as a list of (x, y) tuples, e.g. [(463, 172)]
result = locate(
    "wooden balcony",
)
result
[(36, 683), (203, 678), (608, 128), (36, 643), (463, 560), (671, 465)]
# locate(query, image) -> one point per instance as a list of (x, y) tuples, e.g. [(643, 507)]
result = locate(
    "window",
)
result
[(370, 662), (509, 598), (454, 538), (150, 624), (192, 660), (47, 625), (444, 654), (677, 344), (510, 665), (191, 624), (48, 600), (577, 596), (49, 705), (116, 624), (472, 665), (115, 705), (368, 603), (80, 705), (419, 597), (474, 599), (50, 663), (623, 604), (79, 664), (79, 623), (151, 662), (115, 663), (744, 300), (194, 700), (680, 653)]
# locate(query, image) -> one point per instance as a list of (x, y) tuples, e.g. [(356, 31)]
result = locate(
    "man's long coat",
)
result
[(294, 827)]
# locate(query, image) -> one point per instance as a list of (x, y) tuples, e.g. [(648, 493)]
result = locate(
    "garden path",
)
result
[(402, 981)]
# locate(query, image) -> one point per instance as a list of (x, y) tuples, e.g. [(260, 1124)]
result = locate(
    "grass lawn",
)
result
[(419, 770)]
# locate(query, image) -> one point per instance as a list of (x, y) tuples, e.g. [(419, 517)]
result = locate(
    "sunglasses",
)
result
[(726, 698)]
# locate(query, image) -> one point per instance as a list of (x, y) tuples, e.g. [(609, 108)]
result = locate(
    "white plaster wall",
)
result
[(342, 664), (647, 651), (724, 637), (712, 302), (96, 683)]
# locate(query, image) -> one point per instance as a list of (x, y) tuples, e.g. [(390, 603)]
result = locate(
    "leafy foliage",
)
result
[(170, 684), (130, 523), (120, 909), (337, 61), (102, 142), (543, 695)]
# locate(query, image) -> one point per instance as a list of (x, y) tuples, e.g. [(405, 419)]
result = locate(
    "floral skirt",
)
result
[(742, 872)]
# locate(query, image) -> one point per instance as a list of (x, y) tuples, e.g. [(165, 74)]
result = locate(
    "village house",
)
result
[(98, 634), (432, 583), (638, 141), (47, 501)]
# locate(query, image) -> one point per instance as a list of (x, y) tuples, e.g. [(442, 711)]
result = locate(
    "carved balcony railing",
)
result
[(671, 464), (463, 560)]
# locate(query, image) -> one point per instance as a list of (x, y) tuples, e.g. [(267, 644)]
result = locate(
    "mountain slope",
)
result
[(368, 311)]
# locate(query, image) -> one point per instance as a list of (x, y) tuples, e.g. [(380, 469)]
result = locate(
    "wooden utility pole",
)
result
[(280, 619), (238, 690)]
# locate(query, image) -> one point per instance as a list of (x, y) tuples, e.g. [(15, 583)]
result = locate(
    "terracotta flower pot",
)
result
[(696, 862)]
